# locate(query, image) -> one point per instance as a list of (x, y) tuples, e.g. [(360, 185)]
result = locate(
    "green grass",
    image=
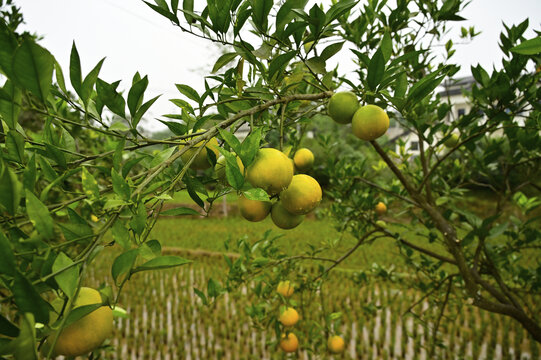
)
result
[(211, 233)]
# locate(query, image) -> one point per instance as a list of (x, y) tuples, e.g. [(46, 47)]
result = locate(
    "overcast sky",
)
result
[(135, 38)]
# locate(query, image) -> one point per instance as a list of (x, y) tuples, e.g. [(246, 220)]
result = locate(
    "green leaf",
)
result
[(176, 128), (223, 61), (256, 194), (250, 147), (117, 156), (386, 46), (123, 263), (162, 262), (376, 70), (150, 249), (164, 12), (120, 186), (111, 98), (231, 140), (90, 185), (189, 92), (180, 211), (89, 81), (67, 279), (7, 328), (29, 174), (331, 50), (162, 156), (142, 110), (28, 299), (232, 171), (80, 312), (54, 153), (338, 9), (219, 14), (278, 65), (75, 69), (188, 6), (8, 44), (139, 219), (135, 95), (10, 100), (528, 47), (7, 259), (401, 85), (424, 87), (285, 14), (39, 215), (25, 346), (15, 146), (33, 68), (317, 65), (120, 234), (10, 190), (260, 14)]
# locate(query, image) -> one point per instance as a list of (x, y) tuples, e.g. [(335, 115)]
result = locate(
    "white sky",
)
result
[(135, 38)]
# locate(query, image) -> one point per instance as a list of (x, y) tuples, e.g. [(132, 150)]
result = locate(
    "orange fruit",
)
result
[(289, 317), (302, 196), (283, 218), (336, 344), (303, 159), (254, 210), (271, 170), (289, 343), (285, 288), (381, 208), (370, 122), (342, 106), (90, 331)]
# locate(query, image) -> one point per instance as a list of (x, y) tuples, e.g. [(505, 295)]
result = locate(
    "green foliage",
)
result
[(55, 223)]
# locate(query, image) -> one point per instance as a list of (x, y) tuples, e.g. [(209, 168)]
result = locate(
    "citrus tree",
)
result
[(82, 178)]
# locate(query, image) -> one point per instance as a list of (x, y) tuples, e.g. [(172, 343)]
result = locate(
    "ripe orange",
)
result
[(89, 332), (303, 159), (336, 344), (370, 122), (254, 210), (285, 288), (302, 195), (289, 343), (381, 208), (342, 106), (271, 170), (289, 317), (283, 218), (201, 160)]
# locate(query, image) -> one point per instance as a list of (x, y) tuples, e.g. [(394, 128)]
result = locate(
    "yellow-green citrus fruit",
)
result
[(342, 106), (289, 317), (254, 210), (285, 288), (381, 223), (289, 343), (219, 169), (303, 159), (201, 161), (271, 170), (452, 141), (302, 196), (381, 208), (370, 122), (283, 218), (336, 344), (89, 332)]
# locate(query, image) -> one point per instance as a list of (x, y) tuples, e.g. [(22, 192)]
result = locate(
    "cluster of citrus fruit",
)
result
[(293, 196), (368, 122), (289, 317)]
